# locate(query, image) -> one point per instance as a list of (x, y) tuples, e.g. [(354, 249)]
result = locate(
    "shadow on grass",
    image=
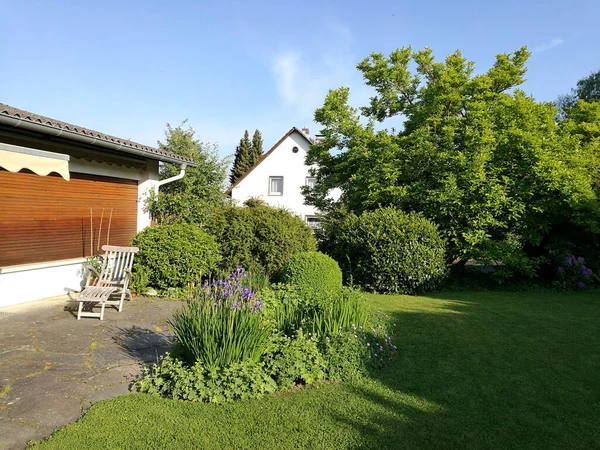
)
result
[(485, 370)]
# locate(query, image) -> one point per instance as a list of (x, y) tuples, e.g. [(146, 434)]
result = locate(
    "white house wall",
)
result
[(281, 162), (39, 281)]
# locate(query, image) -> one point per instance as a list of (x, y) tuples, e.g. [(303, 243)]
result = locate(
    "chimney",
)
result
[(306, 131)]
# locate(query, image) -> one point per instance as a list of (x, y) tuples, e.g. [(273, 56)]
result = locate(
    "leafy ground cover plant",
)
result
[(295, 360), (174, 379)]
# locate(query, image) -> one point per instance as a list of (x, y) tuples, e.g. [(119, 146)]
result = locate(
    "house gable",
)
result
[(287, 160)]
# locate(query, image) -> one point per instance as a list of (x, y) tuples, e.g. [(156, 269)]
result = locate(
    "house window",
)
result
[(311, 182), (312, 221), (275, 185)]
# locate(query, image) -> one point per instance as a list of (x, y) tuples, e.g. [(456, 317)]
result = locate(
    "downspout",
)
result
[(171, 179)]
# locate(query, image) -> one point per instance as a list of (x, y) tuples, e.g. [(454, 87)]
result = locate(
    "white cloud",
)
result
[(548, 45), (343, 31), (287, 74), (302, 79)]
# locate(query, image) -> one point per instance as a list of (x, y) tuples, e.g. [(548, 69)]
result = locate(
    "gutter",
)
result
[(174, 178), (88, 140)]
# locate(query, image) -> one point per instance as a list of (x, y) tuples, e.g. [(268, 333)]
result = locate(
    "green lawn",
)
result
[(474, 370)]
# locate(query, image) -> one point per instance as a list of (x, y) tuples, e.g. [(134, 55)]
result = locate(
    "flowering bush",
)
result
[(231, 345), (221, 324), (573, 274)]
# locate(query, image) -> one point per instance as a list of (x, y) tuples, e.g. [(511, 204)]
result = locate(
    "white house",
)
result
[(64, 192), (278, 176)]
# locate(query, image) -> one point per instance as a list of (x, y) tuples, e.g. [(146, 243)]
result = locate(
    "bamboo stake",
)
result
[(108, 231), (91, 233), (100, 231)]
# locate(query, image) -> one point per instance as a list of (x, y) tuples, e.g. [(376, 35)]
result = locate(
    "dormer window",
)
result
[(275, 185)]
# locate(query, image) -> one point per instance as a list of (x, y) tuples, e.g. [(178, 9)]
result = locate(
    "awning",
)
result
[(14, 158)]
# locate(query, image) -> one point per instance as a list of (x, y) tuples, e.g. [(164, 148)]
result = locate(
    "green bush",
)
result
[(173, 379), (387, 250), (313, 273), (173, 255), (222, 325), (295, 360), (259, 237)]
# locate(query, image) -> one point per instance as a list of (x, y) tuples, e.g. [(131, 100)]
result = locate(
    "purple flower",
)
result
[(580, 260), (580, 284), (560, 270)]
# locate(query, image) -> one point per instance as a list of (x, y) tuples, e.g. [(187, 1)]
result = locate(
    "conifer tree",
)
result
[(242, 161), (257, 147)]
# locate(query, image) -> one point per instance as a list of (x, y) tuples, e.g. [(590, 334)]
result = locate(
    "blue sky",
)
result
[(128, 67)]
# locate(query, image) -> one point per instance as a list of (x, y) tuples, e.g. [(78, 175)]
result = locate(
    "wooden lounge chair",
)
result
[(112, 283)]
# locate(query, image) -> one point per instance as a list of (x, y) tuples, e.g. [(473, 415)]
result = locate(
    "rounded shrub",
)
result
[(259, 237), (172, 256), (387, 250), (313, 273)]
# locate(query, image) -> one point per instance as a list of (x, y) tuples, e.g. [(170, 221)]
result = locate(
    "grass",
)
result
[(473, 371)]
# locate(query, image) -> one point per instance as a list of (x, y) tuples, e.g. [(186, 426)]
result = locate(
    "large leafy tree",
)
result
[(193, 198), (587, 89), (475, 154)]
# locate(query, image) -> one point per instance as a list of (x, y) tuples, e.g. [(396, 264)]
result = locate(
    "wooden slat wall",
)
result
[(48, 218)]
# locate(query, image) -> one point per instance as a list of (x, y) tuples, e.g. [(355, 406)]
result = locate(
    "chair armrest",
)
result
[(90, 269)]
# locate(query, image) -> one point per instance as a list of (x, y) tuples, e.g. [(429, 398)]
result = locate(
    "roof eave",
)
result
[(17, 122)]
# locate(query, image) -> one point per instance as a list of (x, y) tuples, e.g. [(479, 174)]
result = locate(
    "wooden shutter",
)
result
[(48, 218)]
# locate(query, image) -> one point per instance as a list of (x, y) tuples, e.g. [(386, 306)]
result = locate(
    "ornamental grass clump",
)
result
[(346, 310), (221, 325)]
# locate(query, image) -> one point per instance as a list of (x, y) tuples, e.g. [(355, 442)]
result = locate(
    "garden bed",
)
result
[(473, 370)]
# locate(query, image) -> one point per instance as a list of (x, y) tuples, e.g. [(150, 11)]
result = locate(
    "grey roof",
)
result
[(50, 126)]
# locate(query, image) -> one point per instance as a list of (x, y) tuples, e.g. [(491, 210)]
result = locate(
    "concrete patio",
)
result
[(53, 367)]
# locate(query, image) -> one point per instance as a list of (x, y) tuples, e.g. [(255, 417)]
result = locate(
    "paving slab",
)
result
[(53, 366)]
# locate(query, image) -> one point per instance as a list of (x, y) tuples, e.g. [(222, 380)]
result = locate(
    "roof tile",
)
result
[(152, 152)]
